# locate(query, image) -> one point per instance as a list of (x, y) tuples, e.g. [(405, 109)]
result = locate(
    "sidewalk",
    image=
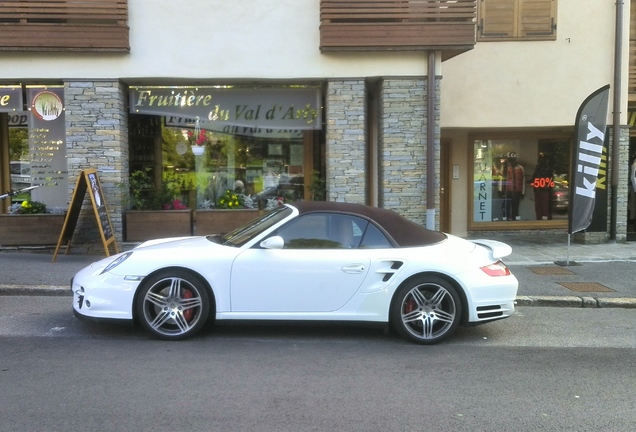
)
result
[(601, 275), (587, 276)]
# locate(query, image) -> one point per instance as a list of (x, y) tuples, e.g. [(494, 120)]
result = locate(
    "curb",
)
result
[(537, 301), (35, 290), (577, 302)]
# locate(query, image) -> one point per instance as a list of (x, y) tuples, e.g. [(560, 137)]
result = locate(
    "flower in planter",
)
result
[(32, 207), (175, 204), (229, 200)]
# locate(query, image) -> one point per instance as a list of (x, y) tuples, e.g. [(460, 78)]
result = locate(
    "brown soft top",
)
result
[(403, 232)]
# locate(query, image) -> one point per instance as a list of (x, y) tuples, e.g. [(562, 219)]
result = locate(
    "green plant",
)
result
[(141, 189), (317, 187), (32, 207), (144, 195)]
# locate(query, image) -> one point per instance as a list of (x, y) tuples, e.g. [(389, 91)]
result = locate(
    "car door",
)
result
[(318, 270)]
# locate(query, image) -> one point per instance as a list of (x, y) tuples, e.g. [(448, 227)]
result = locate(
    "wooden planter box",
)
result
[(142, 225), (221, 221), (30, 229)]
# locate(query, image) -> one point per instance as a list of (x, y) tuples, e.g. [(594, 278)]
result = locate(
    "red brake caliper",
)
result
[(409, 306), (188, 313)]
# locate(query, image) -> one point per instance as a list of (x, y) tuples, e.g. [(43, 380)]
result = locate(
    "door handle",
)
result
[(353, 268)]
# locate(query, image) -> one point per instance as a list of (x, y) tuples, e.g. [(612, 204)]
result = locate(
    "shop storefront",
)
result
[(34, 163), (219, 148), (36, 149), (520, 182), (214, 156)]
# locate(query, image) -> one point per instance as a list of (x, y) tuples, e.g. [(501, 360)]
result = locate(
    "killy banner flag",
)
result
[(590, 124)]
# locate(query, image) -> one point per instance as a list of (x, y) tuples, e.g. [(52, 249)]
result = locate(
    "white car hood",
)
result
[(174, 242)]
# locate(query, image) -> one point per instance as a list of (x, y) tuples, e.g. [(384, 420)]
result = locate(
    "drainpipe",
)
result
[(430, 143), (616, 126)]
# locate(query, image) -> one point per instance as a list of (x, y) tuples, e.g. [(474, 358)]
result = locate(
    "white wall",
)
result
[(536, 84), (213, 39)]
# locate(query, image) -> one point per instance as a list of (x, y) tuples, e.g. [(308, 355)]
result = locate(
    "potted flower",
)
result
[(155, 212), (197, 140), (229, 213), (29, 224), (229, 200)]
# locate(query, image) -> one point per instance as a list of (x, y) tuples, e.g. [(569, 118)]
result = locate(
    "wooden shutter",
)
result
[(537, 18), (497, 18), (517, 19)]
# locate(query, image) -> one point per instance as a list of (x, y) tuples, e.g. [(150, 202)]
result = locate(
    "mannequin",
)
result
[(514, 187)]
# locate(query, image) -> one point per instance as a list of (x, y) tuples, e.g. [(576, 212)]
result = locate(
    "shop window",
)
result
[(20, 164), (225, 147), (516, 20), (520, 180), (37, 163), (216, 170), (171, 168)]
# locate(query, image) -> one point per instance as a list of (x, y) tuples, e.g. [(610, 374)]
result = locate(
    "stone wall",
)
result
[(403, 148), (97, 137), (346, 152), (621, 195)]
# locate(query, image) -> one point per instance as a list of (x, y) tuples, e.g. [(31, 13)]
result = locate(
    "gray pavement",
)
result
[(599, 275)]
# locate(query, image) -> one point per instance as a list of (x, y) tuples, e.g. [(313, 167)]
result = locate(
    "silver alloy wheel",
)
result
[(173, 306), (428, 311)]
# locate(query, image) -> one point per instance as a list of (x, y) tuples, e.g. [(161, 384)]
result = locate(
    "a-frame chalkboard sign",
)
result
[(87, 181)]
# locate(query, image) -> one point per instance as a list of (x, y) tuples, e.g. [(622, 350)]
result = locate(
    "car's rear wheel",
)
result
[(173, 305), (426, 310)]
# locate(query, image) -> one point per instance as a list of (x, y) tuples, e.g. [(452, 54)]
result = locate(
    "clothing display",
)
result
[(513, 187)]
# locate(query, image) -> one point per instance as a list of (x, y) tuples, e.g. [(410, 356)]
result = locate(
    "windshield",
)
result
[(247, 232)]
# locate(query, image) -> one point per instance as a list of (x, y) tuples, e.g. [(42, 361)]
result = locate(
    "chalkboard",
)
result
[(88, 180)]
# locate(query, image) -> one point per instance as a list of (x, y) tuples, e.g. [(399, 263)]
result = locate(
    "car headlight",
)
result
[(120, 259)]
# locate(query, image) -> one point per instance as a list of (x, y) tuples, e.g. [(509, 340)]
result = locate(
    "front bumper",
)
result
[(107, 295)]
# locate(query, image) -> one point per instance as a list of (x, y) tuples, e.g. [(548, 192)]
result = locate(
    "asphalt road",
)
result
[(542, 369)]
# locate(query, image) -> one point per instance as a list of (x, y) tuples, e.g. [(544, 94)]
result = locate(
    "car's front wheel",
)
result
[(173, 305), (426, 310)]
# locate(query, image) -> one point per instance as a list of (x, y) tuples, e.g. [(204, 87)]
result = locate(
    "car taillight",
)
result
[(496, 269)]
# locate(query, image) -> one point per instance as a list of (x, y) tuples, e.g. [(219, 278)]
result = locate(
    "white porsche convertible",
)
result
[(312, 261)]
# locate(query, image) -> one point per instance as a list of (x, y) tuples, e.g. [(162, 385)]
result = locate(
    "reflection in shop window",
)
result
[(267, 169), (520, 180), (20, 164)]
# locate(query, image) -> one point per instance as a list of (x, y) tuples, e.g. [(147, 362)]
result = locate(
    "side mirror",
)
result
[(275, 242)]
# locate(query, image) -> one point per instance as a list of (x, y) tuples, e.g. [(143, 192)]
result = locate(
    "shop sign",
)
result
[(482, 185), (590, 124), (47, 146), (256, 132), (10, 98), (19, 119), (233, 110)]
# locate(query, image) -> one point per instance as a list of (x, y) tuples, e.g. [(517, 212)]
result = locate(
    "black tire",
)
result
[(426, 310), (173, 305)]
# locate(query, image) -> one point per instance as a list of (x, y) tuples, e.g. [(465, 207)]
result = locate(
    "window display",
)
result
[(225, 147), (206, 169), (520, 179)]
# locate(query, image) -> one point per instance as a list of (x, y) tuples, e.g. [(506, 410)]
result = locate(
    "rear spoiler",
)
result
[(499, 249)]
